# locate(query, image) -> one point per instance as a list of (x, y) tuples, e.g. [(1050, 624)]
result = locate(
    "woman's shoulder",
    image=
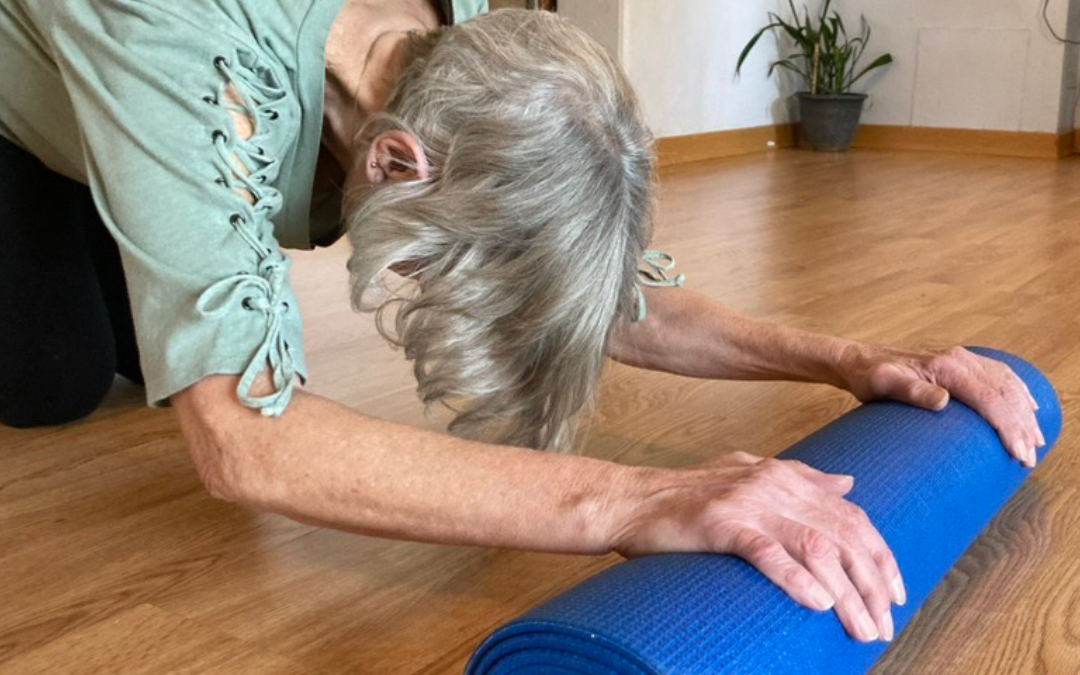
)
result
[(178, 28), (461, 11)]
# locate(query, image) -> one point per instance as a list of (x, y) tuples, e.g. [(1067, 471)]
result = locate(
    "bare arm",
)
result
[(324, 464), (688, 334), (327, 465)]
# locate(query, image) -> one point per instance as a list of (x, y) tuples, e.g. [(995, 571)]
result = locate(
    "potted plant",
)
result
[(827, 59)]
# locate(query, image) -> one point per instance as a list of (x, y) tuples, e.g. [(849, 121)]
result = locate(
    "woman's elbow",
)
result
[(215, 443), (214, 472)]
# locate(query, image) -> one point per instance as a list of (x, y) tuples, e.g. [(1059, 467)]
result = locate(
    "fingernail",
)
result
[(887, 627), (1042, 439), (898, 591), (867, 629), (821, 598), (1019, 451)]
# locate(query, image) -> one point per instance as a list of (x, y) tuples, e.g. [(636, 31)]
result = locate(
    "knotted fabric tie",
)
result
[(657, 265), (263, 294)]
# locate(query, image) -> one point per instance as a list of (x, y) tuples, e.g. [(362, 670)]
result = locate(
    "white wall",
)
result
[(681, 54), (601, 19), (1070, 103), (975, 64)]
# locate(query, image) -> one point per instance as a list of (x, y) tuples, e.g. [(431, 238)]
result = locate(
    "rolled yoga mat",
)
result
[(930, 482)]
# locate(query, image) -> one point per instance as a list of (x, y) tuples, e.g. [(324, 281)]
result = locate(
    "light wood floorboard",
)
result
[(113, 559)]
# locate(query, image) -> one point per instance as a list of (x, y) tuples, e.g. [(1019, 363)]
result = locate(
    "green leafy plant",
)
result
[(826, 57)]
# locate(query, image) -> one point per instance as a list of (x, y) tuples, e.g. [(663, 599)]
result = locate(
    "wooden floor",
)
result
[(113, 560)]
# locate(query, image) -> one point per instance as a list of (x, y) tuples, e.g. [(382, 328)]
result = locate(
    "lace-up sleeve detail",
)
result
[(247, 166), (191, 200), (655, 271)]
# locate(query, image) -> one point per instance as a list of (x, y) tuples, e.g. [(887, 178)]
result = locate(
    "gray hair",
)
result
[(525, 238)]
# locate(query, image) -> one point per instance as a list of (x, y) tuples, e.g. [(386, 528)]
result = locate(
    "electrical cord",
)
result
[(1050, 26)]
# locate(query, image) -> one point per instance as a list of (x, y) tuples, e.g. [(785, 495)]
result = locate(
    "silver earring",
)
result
[(374, 165)]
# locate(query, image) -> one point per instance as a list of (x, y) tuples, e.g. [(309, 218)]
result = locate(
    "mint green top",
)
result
[(126, 97)]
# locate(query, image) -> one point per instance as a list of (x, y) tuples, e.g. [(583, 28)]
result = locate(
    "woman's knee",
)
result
[(58, 351), (43, 396)]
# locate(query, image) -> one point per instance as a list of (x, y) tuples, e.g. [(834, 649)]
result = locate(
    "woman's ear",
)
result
[(396, 155)]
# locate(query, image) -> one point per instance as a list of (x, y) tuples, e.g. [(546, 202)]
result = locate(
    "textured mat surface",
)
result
[(931, 482)]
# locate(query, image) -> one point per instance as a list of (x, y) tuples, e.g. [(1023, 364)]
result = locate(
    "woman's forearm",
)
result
[(327, 465), (324, 464), (688, 334)]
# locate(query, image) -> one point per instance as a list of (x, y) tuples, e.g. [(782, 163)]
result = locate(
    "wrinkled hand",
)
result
[(927, 380), (786, 519)]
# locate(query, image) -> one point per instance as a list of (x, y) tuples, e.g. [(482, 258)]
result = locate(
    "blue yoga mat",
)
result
[(930, 482)]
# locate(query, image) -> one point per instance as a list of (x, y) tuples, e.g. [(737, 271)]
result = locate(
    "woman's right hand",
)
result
[(786, 519)]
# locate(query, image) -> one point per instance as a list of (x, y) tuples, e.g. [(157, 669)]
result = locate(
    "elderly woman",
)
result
[(501, 164)]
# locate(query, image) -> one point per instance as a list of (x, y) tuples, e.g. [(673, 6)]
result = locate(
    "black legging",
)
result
[(65, 317)]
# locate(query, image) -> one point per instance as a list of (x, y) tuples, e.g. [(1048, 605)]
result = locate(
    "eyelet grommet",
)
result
[(221, 62), (212, 100), (246, 304), (272, 114), (236, 220), (218, 133), (260, 179), (285, 306), (221, 181)]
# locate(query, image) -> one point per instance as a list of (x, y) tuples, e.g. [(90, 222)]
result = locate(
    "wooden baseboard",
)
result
[(675, 150), (1066, 145), (965, 141)]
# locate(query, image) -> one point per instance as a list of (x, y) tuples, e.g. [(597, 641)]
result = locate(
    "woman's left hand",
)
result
[(927, 379)]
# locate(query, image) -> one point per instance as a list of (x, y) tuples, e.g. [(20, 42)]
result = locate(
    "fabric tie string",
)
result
[(262, 294), (655, 273)]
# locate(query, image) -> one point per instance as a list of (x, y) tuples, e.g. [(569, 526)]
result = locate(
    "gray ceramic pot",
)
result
[(829, 123)]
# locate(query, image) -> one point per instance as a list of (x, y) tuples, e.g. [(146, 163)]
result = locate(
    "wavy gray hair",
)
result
[(525, 238)]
